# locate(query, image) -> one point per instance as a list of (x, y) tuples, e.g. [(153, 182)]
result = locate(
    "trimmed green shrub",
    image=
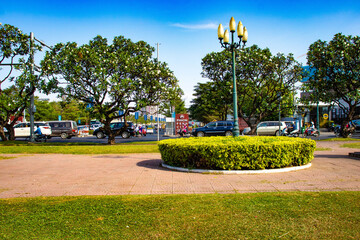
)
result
[(235, 153)]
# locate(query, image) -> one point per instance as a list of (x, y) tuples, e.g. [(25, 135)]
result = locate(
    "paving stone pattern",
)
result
[(74, 175)]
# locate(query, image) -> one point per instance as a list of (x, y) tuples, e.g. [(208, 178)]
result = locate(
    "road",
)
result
[(148, 137)]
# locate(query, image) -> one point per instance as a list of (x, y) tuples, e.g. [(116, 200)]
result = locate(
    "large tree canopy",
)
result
[(334, 73), (211, 102), (112, 77), (264, 77), (15, 91), (260, 76)]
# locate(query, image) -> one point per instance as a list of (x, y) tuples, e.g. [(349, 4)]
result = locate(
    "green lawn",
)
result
[(305, 215), (340, 139), (351, 145), (322, 149), (77, 148)]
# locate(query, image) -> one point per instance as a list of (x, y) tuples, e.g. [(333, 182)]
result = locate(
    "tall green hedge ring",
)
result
[(237, 153)]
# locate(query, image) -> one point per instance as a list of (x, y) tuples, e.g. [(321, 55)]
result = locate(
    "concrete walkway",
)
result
[(72, 175)]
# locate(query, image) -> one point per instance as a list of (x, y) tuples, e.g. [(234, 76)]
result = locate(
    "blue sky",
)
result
[(186, 30)]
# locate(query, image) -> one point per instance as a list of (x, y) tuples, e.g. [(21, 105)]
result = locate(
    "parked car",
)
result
[(214, 129), (270, 128), (246, 131), (23, 129), (95, 126), (63, 129), (149, 129), (115, 126)]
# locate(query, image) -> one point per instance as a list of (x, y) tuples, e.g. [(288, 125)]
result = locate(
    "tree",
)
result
[(174, 100), (334, 72), (15, 94), (210, 102), (265, 81), (111, 77), (69, 110), (260, 78)]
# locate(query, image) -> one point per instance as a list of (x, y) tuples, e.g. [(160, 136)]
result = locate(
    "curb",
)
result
[(278, 170)]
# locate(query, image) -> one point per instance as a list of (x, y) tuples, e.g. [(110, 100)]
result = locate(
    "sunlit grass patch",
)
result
[(351, 145), (294, 215)]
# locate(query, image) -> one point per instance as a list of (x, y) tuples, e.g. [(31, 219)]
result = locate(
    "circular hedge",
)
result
[(235, 153)]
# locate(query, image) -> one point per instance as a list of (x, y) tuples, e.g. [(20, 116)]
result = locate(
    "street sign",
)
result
[(145, 117), (136, 115), (325, 116)]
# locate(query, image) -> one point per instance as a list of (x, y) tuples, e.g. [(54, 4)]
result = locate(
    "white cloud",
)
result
[(195, 26)]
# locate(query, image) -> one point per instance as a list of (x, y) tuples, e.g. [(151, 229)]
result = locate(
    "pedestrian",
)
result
[(140, 130), (184, 129), (137, 130), (144, 131)]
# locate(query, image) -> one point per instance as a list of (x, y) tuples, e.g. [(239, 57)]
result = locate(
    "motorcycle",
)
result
[(311, 132), (40, 138), (294, 133), (346, 132)]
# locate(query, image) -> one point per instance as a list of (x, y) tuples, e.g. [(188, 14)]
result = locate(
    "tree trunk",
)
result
[(2, 135), (111, 138)]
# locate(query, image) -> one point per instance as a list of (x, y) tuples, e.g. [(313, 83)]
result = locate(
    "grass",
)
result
[(322, 149), (339, 139), (14, 147), (77, 148), (310, 215), (351, 145), (5, 157)]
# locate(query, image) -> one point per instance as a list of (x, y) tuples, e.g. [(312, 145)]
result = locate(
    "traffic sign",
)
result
[(136, 115)]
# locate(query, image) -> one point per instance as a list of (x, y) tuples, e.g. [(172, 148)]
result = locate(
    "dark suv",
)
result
[(214, 129), (63, 129), (115, 126)]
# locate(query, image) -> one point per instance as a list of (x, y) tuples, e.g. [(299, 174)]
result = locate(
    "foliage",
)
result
[(69, 110), (174, 99), (15, 92), (213, 99), (291, 215), (334, 73), (111, 77), (211, 102), (231, 153), (260, 78)]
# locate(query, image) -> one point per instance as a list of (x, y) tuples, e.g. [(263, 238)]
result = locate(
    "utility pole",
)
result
[(158, 108), (32, 137)]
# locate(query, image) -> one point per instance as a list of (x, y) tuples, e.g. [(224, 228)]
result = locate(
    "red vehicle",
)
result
[(311, 132)]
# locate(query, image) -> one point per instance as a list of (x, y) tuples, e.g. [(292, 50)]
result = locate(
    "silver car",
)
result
[(270, 128)]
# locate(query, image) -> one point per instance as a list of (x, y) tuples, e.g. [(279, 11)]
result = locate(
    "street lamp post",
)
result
[(224, 41), (32, 105)]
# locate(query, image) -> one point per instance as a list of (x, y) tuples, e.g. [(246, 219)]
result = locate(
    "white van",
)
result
[(23, 129)]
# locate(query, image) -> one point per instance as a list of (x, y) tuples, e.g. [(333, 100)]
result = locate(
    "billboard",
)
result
[(181, 122)]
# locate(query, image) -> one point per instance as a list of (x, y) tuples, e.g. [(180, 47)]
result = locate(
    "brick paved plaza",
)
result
[(72, 175)]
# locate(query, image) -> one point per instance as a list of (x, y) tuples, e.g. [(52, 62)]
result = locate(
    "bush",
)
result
[(229, 153)]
